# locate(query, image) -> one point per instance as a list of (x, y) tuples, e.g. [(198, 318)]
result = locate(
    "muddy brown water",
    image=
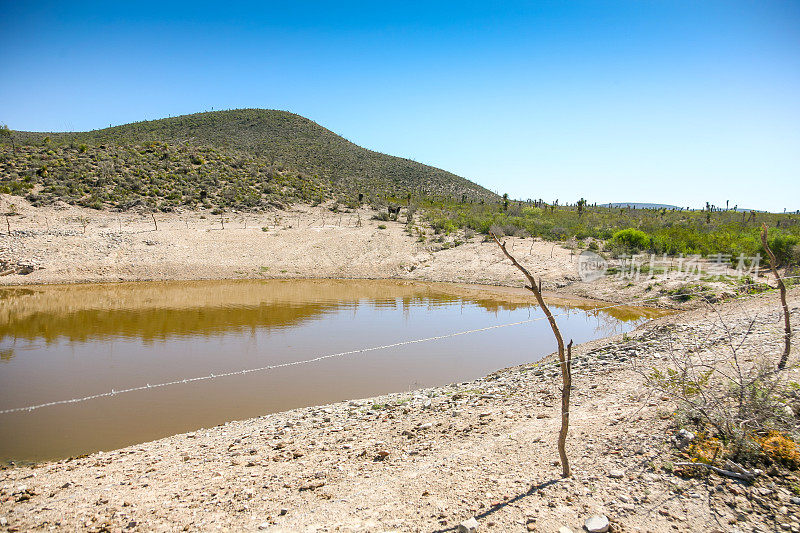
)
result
[(63, 342)]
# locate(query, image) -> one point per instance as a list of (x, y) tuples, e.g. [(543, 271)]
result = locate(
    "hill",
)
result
[(245, 158)]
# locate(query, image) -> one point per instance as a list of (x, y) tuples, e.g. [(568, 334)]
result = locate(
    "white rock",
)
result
[(468, 526), (617, 474), (596, 524), (564, 529)]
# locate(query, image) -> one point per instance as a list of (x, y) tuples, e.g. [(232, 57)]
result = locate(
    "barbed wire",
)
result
[(211, 376)]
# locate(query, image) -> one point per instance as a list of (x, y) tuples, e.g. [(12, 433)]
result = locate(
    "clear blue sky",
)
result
[(673, 102)]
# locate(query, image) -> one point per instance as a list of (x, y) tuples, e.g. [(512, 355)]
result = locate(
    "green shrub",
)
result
[(784, 248), (632, 239)]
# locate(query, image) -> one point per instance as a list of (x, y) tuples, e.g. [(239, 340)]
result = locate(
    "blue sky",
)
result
[(673, 102)]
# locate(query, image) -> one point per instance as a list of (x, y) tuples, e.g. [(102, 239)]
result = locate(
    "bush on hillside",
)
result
[(630, 239)]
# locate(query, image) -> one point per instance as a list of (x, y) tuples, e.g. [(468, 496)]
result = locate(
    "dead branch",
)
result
[(742, 474), (566, 372), (787, 329)]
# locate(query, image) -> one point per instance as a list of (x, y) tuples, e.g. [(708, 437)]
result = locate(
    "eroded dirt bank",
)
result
[(68, 244)]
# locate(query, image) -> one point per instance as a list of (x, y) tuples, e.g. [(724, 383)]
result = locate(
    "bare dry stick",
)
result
[(8, 225), (566, 370), (748, 476), (154, 221), (787, 329)]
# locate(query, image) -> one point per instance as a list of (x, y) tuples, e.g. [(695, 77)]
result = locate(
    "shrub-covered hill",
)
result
[(244, 158)]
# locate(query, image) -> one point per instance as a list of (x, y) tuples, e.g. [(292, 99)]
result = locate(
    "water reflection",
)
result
[(61, 342)]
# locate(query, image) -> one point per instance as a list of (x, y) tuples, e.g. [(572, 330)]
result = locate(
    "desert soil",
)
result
[(67, 244), (419, 461)]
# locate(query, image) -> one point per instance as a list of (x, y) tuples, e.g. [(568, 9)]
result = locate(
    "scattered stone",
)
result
[(684, 438), (468, 526), (616, 473), (596, 524), (311, 485)]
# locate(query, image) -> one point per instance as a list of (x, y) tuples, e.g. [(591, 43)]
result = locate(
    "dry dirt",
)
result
[(66, 244), (420, 461)]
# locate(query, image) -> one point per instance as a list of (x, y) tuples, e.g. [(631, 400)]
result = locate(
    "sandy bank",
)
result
[(72, 245)]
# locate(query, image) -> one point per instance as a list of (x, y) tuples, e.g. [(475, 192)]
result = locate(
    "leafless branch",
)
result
[(773, 264), (564, 358)]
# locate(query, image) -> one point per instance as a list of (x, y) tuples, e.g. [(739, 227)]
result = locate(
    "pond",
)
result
[(64, 342)]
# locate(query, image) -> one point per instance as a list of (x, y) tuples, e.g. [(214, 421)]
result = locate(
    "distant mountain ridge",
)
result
[(276, 139), (644, 205), (639, 205)]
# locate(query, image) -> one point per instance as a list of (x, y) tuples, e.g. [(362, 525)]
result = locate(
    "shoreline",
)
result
[(51, 245)]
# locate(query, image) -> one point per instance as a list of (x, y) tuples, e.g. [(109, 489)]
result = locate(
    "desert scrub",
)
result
[(731, 395), (666, 231), (630, 240)]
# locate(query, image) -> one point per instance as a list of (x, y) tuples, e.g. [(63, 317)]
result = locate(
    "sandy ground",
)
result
[(421, 461)]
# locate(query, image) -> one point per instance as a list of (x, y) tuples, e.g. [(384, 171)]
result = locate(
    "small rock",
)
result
[(312, 485), (468, 526), (616, 474), (596, 524), (263, 525), (564, 529), (795, 500), (684, 438), (427, 425), (284, 510), (3, 521)]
